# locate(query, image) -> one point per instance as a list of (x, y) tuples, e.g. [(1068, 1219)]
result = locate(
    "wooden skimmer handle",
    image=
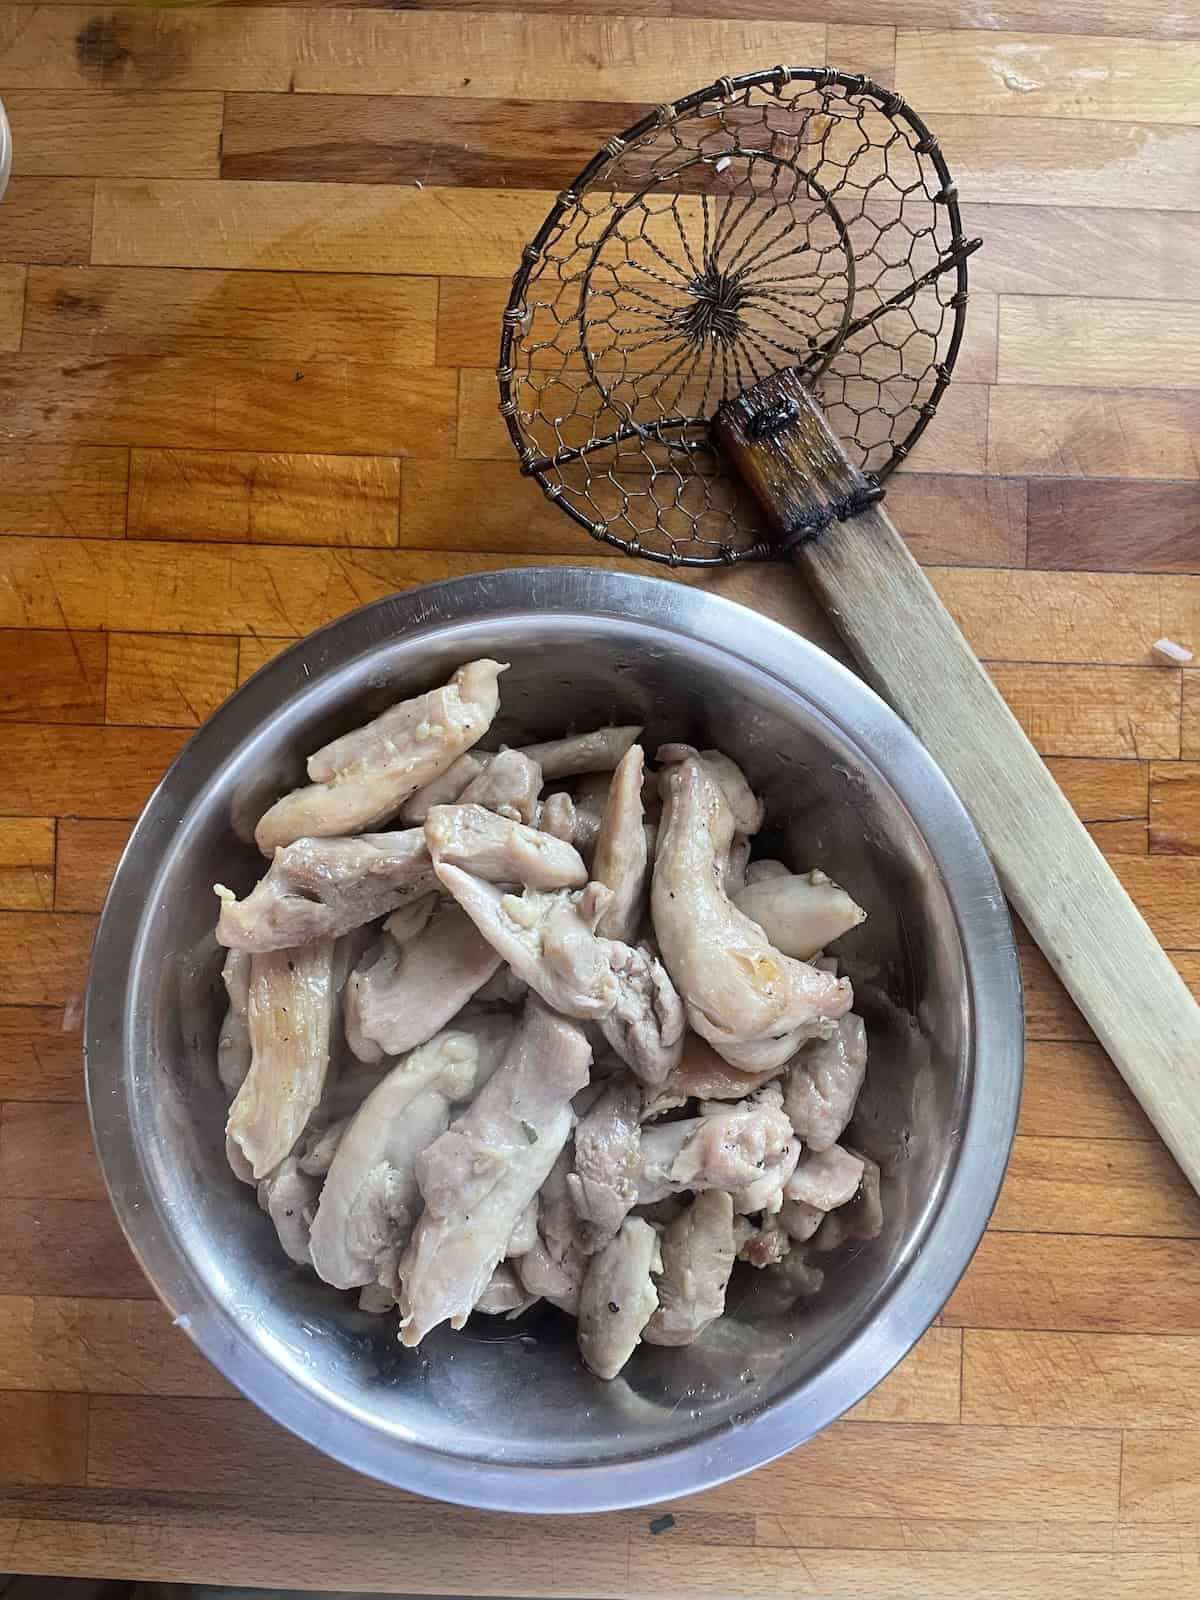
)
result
[(912, 651)]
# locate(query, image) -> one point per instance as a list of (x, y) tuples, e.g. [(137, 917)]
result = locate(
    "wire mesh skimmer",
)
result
[(790, 218)]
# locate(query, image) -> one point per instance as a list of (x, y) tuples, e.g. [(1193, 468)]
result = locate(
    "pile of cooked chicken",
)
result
[(556, 1037)]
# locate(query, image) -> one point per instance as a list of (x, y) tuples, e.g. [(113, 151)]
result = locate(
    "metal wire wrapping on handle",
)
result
[(792, 217)]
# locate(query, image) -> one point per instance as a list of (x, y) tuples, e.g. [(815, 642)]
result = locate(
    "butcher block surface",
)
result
[(252, 263)]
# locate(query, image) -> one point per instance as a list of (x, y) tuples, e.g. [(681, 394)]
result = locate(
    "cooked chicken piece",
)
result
[(501, 851), (233, 1041), (556, 815), (762, 1245), (736, 986), (860, 1218), (505, 1294), (411, 920), (618, 1297), (697, 1257), (586, 752), (503, 988), (321, 888), (620, 859), (764, 871), (370, 1199), (772, 1055), (748, 810), (823, 1084), (608, 1158), (399, 997), (547, 939), (290, 1019), (765, 1193), (376, 1299), (240, 1167), (510, 784), (524, 1235), (701, 1075), (444, 790), (734, 879), (800, 915), (553, 1269), (478, 1177), (318, 1147), (794, 1278), (826, 1179), (363, 778), (646, 1025), (799, 1221), (726, 1149), (287, 1197)]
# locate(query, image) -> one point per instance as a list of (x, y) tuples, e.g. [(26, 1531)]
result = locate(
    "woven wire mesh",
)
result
[(789, 218)]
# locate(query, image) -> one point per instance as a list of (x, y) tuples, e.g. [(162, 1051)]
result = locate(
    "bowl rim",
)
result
[(993, 994)]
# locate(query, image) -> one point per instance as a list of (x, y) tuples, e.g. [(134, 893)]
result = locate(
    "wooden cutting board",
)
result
[(249, 297)]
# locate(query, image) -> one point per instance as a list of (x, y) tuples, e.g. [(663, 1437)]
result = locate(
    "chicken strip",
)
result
[(608, 1158), (824, 1081), (647, 1022), (771, 1055), (371, 1200), (290, 1019), (826, 1179), (318, 1147), (556, 815), (401, 995), (800, 914), (509, 784), (444, 790), (736, 986), (288, 1197), (500, 850), (701, 1075), (697, 1259), (727, 1148), (524, 1235), (553, 1269), (748, 810), (762, 1245), (505, 1294), (618, 1297), (503, 988), (763, 871), (322, 888), (765, 1193), (799, 1220), (233, 1041), (736, 864), (547, 939), (363, 778), (860, 1218), (586, 752), (480, 1175), (620, 860)]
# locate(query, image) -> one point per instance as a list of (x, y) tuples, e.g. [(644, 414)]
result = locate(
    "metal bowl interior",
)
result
[(503, 1415)]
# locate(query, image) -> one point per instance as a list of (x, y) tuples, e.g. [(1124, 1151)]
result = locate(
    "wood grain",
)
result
[(925, 1387), (1175, 808), (39, 1055), (173, 682), (1190, 738), (64, 491), (1141, 18), (59, 134), (26, 863), (99, 1346), (1037, 1379), (1050, 1013), (265, 315), (1113, 525), (1166, 890), (1096, 1186), (52, 675), (43, 1438), (1077, 432), (1089, 250), (1093, 711), (264, 498), (67, 1247), (102, 772), (1095, 344), (475, 505), (88, 853), (1072, 1091), (1160, 1475), (46, 1153), (12, 305), (47, 219), (1104, 791), (950, 520), (43, 957)]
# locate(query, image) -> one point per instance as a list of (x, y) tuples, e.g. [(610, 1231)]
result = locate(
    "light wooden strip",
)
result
[(920, 1470), (478, 505), (1069, 616), (47, 219), (1120, 838), (95, 1346), (39, 1057), (88, 853), (1128, 344), (1050, 1013), (1190, 742), (1160, 1475), (67, 1247), (1096, 1186), (255, 652), (12, 305), (1080, 432), (1093, 711), (1080, 1284), (950, 520), (1090, 250), (1073, 1091), (261, 498), (26, 863), (82, 135), (168, 681), (340, 406), (796, 1531), (1166, 890), (43, 957), (860, 47), (315, 227), (52, 676), (104, 772), (63, 490), (482, 434), (468, 320), (1175, 808), (1049, 75), (1104, 791), (266, 315), (1113, 525), (46, 1153), (925, 1387), (43, 1438), (1024, 1379)]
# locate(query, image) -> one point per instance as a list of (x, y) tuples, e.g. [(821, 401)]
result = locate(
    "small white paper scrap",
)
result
[(1177, 654)]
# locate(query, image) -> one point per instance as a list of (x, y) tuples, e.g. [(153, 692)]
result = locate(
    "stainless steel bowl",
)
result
[(504, 1415)]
